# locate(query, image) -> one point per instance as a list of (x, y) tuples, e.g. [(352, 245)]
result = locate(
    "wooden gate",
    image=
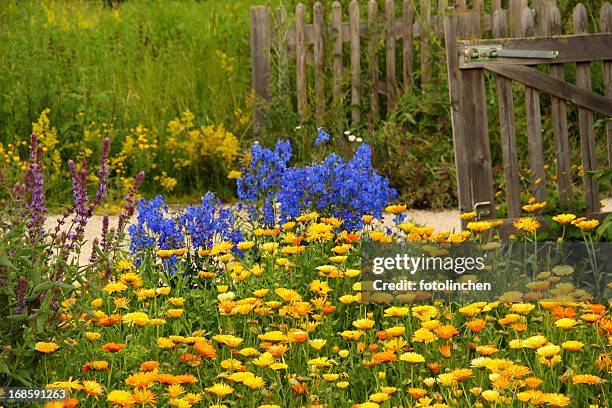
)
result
[(517, 59)]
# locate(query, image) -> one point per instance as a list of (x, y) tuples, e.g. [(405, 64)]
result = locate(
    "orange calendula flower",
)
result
[(587, 379), (46, 347), (113, 347)]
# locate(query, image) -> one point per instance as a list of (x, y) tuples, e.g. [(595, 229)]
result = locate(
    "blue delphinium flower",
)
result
[(322, 137), (274, 191)]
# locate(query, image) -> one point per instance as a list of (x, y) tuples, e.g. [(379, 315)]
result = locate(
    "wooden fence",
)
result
[(537, 42), (398, 25)]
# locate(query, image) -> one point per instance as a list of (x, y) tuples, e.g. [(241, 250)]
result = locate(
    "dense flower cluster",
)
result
[(199, 225), (333, 187), (281, 325)]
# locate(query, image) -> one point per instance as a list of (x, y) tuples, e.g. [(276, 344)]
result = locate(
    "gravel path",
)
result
[(446, 220)]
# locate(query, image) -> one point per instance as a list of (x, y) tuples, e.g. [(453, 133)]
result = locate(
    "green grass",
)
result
[(136, 63)]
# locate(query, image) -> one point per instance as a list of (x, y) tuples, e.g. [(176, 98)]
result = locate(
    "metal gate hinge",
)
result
[(488, 52)]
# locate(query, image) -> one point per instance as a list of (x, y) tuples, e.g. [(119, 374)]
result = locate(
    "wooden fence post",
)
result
[(469, 117), (559, 120), (390, 52), (534, 123), (282, 50), (605, 17), (300, 61), (408, 19), (354, 28), (337, 65), (318, 29), (585, 118), (373, 57), (499, 28), (260, 53), (514, 19), (425, 43)]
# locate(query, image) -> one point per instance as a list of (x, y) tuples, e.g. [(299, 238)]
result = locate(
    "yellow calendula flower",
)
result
[(587, 225), (564, 218), (479, 226), (527, 224), (566, 323), (396, 209), (363, 324), (395, 311), (46, 347), (319, 232), (320, 362), (220, 390), (120, 398), (412, 358), (533, 207), (245, 245), (468, 216)]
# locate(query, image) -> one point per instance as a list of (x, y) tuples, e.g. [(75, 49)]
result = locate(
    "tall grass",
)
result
[(133, 63)]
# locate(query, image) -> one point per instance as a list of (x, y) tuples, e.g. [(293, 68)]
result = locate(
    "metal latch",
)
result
[(487, 52), (483, 210)]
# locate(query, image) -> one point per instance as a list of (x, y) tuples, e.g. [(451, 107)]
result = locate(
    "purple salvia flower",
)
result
[(104, 238), (103, 172), (22, 285), (35, 183)]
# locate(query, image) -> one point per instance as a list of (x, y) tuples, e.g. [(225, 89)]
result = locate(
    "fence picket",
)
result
[(282, 50), (514, 19), (425, 43), (585, 118), (260, 52), (559, 120), (391, 88), (354, 26), (337, 64), (605, 19), (499, 27), (300, 62), (534, 123), (407, 50), (318, 24), (373, 57)]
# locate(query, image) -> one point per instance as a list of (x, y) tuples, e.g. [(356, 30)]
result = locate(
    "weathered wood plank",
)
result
[(260, 53), (390, 53), (425, 43), (514, 18), (300, 63), (281, 49), (454, 89), (373, 57), (475, 126), (318, 20), (469, 118), (559, 120), (337, 63), (585, 119), (534, 124), (605, 19), (507, 125), (571, 48), (355, 62), (553, 86), (407, 50)]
